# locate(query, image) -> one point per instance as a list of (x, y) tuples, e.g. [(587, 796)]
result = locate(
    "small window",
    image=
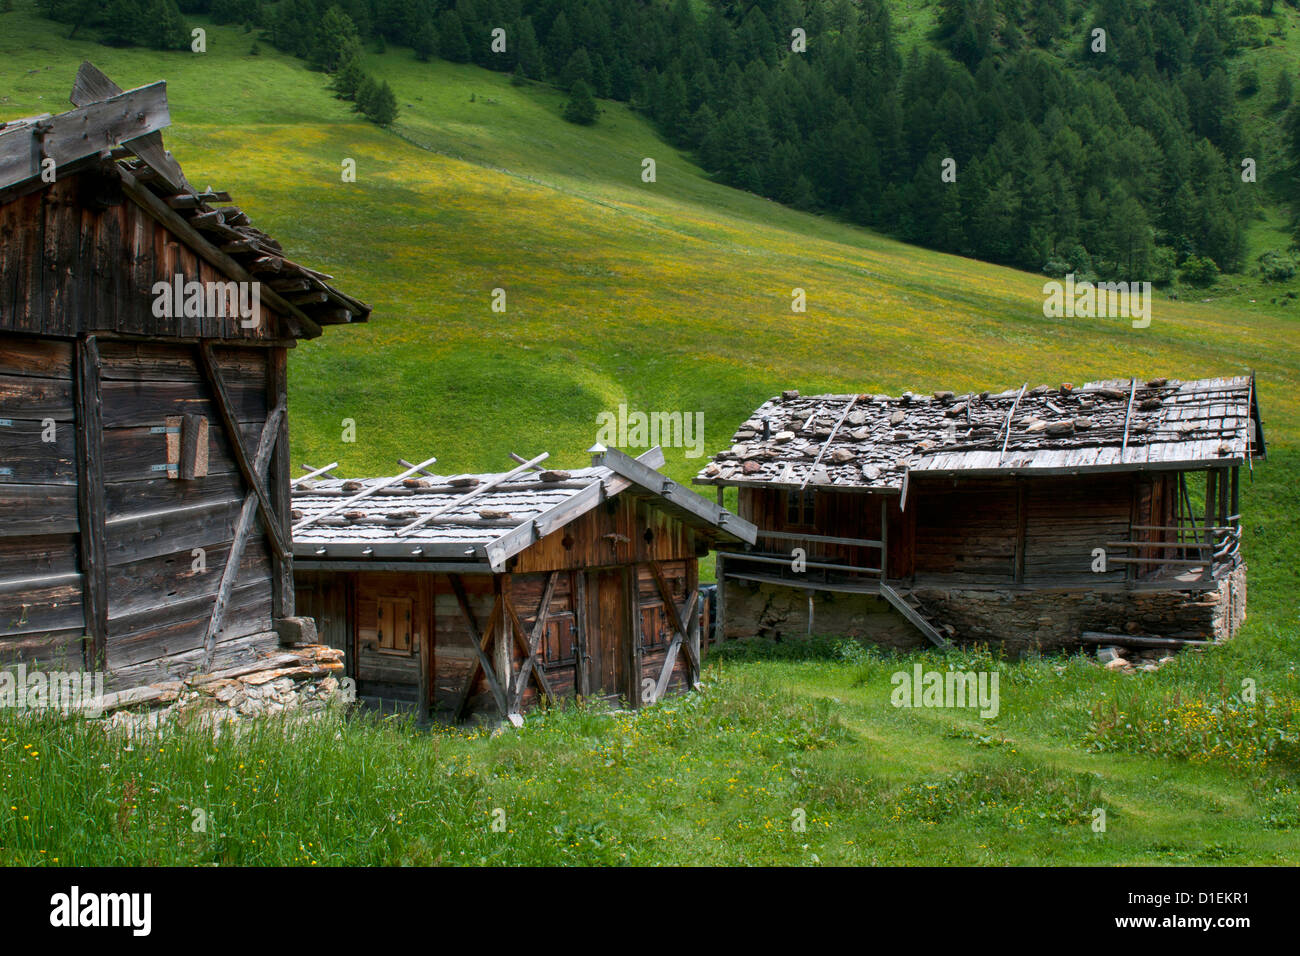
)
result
[(655, 629), (394, 625), (800, 507), (558, 646)]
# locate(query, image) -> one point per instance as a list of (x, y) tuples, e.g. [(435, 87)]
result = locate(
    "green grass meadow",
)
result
[(674, 296)]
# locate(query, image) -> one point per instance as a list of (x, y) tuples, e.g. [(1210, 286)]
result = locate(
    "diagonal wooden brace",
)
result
[(535, 639), (265, 444), (252, 475)]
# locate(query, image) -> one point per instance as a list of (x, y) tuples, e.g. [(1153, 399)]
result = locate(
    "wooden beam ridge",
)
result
[(517, 629), (479, 640), (827, 443), (267, 441), (92, 86), (91, 509), (535, 639), (473, 493), (252, 476), (699, 507), (364, 493), (85, 131), (206, 251)]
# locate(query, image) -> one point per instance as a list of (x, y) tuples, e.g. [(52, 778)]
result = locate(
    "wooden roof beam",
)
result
[(86, 131)]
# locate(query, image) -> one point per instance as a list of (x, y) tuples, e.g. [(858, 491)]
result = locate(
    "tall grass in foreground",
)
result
[(798, 758)]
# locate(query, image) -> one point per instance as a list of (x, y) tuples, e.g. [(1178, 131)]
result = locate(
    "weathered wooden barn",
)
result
[(483, 594), (144, 329), (1031, 517)]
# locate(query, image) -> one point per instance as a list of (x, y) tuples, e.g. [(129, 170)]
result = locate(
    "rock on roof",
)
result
[(502, 519), (873, 441)]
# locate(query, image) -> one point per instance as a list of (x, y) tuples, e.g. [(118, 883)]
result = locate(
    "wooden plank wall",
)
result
[(1067, 518), (41, 612), (841, 514), (159, 603), (982, 531), (70, 264), (614, 533)]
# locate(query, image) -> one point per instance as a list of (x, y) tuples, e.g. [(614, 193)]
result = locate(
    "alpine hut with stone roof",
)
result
[(483, 594), (144, 329), (1036, 518)]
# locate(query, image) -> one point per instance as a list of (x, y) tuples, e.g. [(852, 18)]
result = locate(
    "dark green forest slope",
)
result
[(1103, 138)]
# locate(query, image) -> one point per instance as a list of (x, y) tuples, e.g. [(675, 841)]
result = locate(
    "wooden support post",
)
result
[(278, 478), (884, 537), (91, 513), (1210, 494), (632, 594), (720, 605), (582, 678)]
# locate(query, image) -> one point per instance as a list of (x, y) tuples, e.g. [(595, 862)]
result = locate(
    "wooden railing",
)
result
[(1187, 546), (809, 542)]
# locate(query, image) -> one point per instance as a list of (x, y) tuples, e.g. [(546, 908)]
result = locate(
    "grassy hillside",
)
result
[(668, 296), (671, 295)]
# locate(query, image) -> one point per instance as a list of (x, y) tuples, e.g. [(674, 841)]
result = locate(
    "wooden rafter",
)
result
[(827, 443), (363, 493), (1128, 418), (314, 472), (252, 476), (1007, 426), (456, 503)]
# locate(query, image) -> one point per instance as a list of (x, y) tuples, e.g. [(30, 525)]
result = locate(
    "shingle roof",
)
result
[(493, 524), (873, 441)]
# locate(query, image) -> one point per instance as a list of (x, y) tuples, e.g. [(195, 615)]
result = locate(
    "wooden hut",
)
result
[(1032, 517), (481, 594), (144, 329)]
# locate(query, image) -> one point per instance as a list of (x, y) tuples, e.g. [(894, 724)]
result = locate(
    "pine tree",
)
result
[(426, 41), (581, 107), (451, 38), (348, 78), (335, 40), (577, 69)]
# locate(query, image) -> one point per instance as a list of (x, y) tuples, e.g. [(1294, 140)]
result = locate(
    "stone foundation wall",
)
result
[(1019, 620), (1045, 620), (302, 680), (774, 611)]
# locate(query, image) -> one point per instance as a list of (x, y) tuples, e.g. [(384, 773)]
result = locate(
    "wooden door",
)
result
[(605, 646)]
